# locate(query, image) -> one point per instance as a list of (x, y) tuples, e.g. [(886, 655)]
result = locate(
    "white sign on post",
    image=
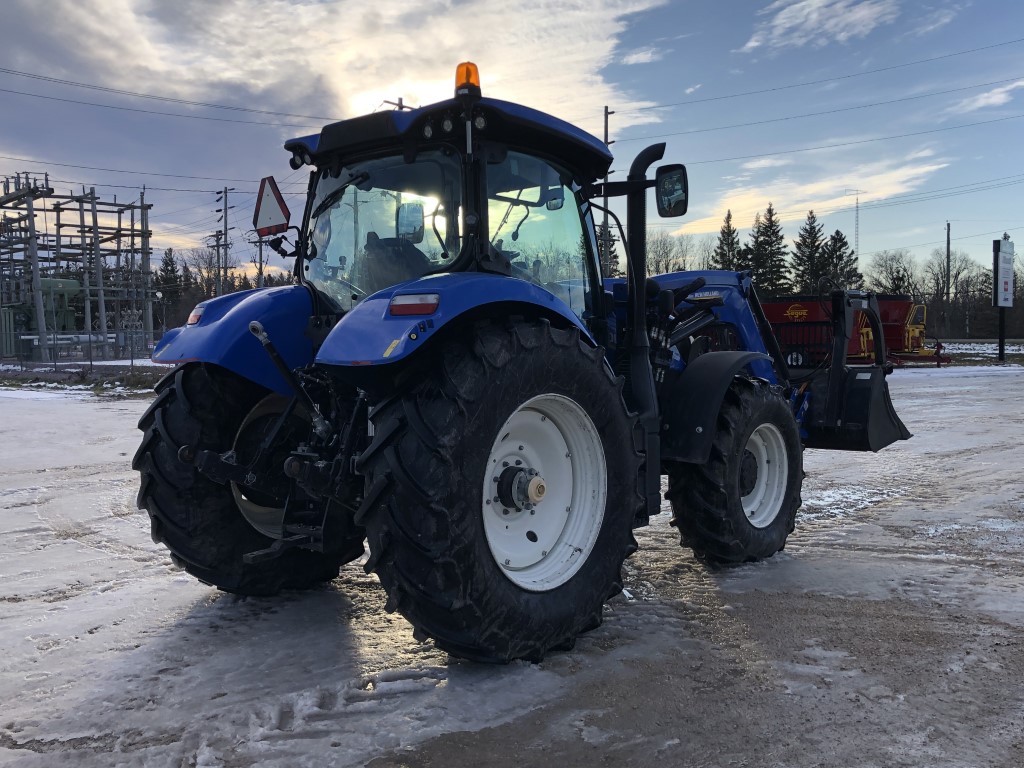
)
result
[(1002, 273)]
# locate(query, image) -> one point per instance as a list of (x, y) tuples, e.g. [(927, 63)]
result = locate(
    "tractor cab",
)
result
[(466, 185)]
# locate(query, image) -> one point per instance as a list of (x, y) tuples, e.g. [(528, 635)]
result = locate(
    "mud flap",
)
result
[(852, 413)]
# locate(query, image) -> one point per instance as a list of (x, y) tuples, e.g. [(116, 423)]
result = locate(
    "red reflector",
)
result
[(415, 304)]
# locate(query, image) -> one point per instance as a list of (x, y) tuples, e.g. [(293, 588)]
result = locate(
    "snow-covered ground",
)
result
[(888, 632)]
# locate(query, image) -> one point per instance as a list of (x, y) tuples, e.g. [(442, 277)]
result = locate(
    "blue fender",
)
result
[(222, 334), (369, 335)]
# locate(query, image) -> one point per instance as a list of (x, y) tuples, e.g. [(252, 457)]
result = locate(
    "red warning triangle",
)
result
[(271, 215)]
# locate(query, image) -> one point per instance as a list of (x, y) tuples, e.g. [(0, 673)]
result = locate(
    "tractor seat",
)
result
[(391, 260)]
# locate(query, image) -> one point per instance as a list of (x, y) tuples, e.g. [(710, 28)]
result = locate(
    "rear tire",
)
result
[(195, 518), (741, 504), (451, 537)]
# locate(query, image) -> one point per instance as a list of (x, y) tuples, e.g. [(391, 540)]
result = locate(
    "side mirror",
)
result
[(409, 222), (671, 190)]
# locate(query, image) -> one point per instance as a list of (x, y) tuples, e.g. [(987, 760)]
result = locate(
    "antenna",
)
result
[(856, 218)]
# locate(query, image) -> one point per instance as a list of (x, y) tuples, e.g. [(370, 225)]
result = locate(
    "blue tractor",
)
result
[(451, 382)]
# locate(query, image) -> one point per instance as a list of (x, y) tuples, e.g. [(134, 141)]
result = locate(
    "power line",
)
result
[(894, 200), (853, 143), (818, 114), (824, 80), (941, 242), (155, 97), (116, 170), (155, 112)]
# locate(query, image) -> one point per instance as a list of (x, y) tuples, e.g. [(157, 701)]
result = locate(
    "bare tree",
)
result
[(893, 271), (663, 253), (704, 252), (202, 262), (933, 273)]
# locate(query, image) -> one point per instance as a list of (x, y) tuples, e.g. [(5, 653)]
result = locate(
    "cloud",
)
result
[(693, 88), (766, 162), (337, 59), (994, 98), (642, 56), (796, 23), (933, 18), (821, 192)]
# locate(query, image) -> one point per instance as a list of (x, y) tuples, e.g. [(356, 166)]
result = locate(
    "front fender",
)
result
[(222, 335), (691, 400), (369, 335)]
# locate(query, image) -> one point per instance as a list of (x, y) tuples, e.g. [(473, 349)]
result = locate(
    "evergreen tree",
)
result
[(752, 251), (769, 256), (840, 262), (727, 251), (168, 277), (807, 266), (609, 260)]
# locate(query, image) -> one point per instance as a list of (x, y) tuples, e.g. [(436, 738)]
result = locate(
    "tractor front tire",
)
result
[(196, 518), (741, 505), (502, 489)]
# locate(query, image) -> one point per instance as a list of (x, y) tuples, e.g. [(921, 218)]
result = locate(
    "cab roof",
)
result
[(508, 123)]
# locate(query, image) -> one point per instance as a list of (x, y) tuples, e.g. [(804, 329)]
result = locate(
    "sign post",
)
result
[(1002, 286)]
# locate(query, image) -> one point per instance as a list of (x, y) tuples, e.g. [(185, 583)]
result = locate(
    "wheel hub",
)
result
[(519, 488)]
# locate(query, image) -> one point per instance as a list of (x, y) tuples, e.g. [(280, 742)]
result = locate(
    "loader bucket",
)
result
[(850, 410)]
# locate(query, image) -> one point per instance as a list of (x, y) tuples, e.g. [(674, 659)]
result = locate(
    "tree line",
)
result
[(184, 279), (815, 262), (957, 307)]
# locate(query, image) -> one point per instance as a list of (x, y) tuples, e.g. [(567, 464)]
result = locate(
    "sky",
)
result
[(914, 110)]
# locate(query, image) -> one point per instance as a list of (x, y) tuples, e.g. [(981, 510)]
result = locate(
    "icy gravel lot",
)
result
[(889, 633)]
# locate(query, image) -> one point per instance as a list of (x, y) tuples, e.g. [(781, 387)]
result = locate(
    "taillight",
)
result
[(196, 315), (415, 304)]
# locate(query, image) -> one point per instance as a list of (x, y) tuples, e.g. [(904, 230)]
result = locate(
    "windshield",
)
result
[(381, 222)]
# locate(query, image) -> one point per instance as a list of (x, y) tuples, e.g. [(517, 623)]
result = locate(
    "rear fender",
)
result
[(222, 334), (369, 335), (691, 400)]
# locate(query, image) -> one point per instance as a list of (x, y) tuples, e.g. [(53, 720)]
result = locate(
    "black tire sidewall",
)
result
[(763, 542), (491, 617)]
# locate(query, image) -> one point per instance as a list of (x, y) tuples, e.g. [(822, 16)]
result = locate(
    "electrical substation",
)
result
[(76, 278)]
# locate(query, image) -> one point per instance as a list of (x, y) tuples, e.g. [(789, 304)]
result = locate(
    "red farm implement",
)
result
[(803, 327)]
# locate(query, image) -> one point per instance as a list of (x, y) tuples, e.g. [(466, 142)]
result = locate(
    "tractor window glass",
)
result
[(535, 222), (380, 222)]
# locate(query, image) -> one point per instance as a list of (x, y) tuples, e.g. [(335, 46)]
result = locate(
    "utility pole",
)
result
[(948, 260), (147, 278), (259, 273), (222, 263), (214, 279), (605, 236)]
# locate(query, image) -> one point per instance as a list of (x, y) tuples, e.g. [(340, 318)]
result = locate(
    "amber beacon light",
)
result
[(467, 75)]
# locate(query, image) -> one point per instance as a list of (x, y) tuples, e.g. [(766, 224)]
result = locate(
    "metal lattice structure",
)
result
[(75, 273)]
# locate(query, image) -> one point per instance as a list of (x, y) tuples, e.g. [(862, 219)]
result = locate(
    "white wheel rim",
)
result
[(541, 543), (266, 520), (763, 501)]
